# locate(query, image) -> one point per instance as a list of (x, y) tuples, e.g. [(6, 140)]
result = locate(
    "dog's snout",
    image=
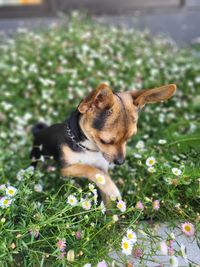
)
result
[(119, 160)]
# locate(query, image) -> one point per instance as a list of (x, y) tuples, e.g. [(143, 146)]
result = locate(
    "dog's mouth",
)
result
[(106, 157)]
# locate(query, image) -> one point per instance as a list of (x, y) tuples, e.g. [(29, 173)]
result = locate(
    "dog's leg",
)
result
[(34, 156), (108, 189)]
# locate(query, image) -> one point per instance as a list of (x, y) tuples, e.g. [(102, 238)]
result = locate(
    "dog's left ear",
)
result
[(142, 97), (99, 99)]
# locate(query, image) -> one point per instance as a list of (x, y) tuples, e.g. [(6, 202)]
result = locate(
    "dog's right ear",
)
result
[(142, 97), (99, 99)]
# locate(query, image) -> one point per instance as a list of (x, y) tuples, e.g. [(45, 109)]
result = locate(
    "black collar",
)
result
[(74, 133), (73, 123)]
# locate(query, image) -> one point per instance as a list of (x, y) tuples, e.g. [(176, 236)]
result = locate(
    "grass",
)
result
[(44, 75)]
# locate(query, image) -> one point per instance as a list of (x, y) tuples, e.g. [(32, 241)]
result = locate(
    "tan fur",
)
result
[(95, 159), (120, 125), (116, 129), (82, 170)]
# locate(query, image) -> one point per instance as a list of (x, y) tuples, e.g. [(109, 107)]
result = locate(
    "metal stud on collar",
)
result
[(78, 144)]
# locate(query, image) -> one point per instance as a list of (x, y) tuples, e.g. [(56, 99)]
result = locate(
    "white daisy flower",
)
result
[(30, 170), (20, 174), (5, 202), (38, 188), (126, 246), (11, 191), (163, 248), (115, 218), (131, 236), (162, 141), (72, 200), (113, 198), (102, 207), (86, 204), (151, 169), (176, 171), (150, 161), (100, 179), (121, 205), (173, 261), (137, 156), (87, 265), (140, 145)]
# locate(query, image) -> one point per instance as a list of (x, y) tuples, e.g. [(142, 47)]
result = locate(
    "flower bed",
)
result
[(46, 221)]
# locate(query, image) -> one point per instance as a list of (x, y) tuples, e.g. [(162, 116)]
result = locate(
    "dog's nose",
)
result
[(119, 160)]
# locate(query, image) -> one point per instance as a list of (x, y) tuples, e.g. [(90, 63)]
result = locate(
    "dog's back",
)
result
[(46, 141)]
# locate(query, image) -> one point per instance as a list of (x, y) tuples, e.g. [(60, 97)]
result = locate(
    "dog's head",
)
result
[(110, 119)]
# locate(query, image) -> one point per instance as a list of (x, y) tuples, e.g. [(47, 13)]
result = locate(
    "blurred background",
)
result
[(178, 18)]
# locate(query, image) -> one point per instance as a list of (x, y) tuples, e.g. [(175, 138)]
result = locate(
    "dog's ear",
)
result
[(101, 98), (142, 97)]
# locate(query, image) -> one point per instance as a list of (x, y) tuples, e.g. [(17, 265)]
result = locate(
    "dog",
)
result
[(95, 134)]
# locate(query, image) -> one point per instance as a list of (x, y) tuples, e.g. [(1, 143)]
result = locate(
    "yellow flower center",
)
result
[(10, 191), (119, 206), (130, 236), (150, 161), (100, 179), (187, 228), (5, 202), (125, 245), (71, 201)]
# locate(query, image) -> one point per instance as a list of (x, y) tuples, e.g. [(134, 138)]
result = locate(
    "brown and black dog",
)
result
[(96, 134)]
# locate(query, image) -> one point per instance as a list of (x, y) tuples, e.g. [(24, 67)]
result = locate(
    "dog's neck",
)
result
[(73, 124), (80, 136)]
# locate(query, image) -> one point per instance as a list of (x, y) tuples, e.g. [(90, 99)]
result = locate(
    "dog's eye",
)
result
[(106, 142)]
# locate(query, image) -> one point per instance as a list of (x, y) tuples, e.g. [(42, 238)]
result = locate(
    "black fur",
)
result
[(48, 140), (38, 127), (99, 122)]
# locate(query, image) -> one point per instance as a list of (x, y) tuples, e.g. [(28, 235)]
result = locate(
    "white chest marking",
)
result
[(90, 158)]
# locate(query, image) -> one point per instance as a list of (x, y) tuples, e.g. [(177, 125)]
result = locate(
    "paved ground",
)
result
[(9, 26), (193, 251), (183, 25)]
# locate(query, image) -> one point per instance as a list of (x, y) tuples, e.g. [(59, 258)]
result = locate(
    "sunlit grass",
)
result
[(44, 75)]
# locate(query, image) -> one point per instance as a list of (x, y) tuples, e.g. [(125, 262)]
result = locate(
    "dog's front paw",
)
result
[(114, 193)]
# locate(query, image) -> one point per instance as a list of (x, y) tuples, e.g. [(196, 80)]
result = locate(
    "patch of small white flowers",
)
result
[(150, 162), (140, 145), (162, 141), (128, 241), (10, 192), (25, 172), (86, 202), (167, 248)]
